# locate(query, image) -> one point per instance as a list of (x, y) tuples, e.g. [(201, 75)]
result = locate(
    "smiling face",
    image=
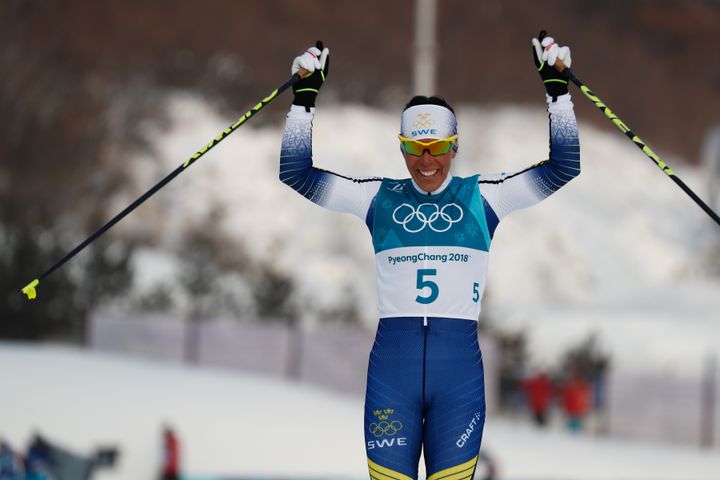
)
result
[(429, 172)]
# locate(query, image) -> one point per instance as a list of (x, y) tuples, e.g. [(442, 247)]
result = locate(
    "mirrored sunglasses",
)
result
[(435, 147)]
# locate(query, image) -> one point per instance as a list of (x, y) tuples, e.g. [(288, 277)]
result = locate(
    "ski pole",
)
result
[(631, 135), (30, 288)]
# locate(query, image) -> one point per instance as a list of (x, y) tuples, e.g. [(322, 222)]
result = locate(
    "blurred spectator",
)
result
[(538, 390), (171, 455), (37, 460), (576, 401), (11, 465), (50, 461)]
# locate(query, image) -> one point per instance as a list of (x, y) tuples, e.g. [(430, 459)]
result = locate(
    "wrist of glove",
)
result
[(315, 66), (546, 54)]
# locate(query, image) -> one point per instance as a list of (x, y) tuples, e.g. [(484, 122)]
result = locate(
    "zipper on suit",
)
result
[(424, 357)]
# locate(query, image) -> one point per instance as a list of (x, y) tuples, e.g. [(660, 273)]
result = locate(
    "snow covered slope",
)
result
[(243, 425)]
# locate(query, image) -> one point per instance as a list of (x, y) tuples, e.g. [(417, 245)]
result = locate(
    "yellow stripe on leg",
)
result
[(458, 472), (378, 472)]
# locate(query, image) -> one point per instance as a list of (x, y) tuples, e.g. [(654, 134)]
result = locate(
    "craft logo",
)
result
[(475, 422), (385, 427)]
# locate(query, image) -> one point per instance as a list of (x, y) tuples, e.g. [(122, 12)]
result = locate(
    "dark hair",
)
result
[(423, 100)]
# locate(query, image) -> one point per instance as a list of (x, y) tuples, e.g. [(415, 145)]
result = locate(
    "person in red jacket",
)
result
[(576, 401), (171, 455), (538, 389)]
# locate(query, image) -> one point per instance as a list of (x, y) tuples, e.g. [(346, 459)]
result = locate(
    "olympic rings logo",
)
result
[(423, 120), (427, 215), (385, 428)]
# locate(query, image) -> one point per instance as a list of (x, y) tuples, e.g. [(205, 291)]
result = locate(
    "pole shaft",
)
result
[(641, 145), (224, 134)]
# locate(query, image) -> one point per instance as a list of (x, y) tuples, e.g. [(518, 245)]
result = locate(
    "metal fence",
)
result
[(333, 357), (640, 406)]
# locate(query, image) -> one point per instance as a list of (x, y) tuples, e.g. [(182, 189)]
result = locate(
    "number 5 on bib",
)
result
[(423, 283)]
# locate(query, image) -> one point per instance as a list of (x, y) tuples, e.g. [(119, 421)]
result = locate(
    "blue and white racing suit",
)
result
[(425, 387)]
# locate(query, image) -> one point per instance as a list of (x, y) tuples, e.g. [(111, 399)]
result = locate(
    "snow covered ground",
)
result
[(621, 251), (244, 425)]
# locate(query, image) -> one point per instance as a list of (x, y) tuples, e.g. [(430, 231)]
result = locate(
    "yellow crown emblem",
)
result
[(384, 413)]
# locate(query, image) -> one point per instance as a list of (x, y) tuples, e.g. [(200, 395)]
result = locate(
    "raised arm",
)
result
[(508, 192), (327, 189)]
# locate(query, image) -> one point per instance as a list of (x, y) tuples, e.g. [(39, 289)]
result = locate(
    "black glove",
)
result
[(316, 61), (545, 54)]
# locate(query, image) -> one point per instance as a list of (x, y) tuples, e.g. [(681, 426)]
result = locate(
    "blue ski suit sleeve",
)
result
[(327, 189), (507, 192)]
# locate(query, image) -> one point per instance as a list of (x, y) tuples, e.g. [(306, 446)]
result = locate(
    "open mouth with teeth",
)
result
[(428, 171)]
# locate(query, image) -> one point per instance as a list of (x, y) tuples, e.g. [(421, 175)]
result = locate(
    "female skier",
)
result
[(431, 234)]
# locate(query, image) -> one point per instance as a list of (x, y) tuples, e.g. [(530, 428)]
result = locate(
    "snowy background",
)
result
[(620, 252), (103, 100), (240, 425)]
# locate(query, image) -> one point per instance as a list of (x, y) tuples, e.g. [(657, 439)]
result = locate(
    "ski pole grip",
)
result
[(304, 73), (559, 65)]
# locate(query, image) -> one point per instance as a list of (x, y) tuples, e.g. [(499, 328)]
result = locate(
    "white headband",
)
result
[(428, 121)]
